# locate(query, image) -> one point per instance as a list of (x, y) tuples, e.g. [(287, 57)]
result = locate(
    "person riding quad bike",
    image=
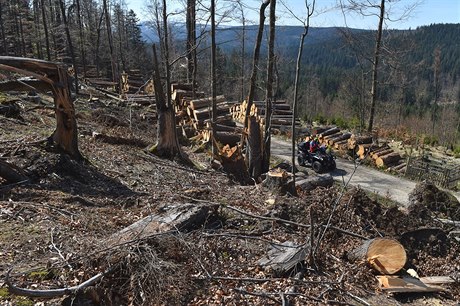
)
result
[(319, 158)]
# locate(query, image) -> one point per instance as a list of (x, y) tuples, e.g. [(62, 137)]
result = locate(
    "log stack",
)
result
[(281, 114), (193, 115)]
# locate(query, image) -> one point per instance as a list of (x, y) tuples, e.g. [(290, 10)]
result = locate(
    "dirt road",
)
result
[(395, 188)]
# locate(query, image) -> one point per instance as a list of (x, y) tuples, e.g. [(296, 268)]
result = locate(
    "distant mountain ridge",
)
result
[(327, 47)]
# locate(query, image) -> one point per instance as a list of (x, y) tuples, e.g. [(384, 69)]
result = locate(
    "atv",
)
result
[(320, 160)]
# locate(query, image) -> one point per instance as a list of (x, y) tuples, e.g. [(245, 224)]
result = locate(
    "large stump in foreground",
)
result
[(385, 255), (279, 182)]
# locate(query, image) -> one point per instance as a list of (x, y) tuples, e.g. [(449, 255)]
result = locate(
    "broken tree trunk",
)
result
[(282, 258), (385, 255), (174, 218), (56, 77), (233, 163)]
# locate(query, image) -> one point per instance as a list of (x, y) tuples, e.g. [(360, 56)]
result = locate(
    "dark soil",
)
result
[(53, 228)]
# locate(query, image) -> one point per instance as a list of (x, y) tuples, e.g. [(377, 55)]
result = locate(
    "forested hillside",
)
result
[(335, 75)]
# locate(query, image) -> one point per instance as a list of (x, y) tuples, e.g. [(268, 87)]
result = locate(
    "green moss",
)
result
[(14, 300), (4, 293), (41, 275)]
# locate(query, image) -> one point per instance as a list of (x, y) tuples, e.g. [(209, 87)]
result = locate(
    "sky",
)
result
[(425, 12)]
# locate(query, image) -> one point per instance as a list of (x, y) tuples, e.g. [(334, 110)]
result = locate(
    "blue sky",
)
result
[(425, 13)]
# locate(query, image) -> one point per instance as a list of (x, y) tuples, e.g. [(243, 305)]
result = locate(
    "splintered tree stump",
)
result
[(233, 163), (384, 255)]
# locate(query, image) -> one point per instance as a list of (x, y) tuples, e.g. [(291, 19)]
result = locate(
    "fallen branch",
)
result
[(52, 293), (275, 219)]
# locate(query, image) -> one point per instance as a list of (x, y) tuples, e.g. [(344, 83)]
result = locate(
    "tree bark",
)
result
[(375, 66), (82, 38), (167, 142), (269, 90), (255, 63), (254, 148), (110, 39), (69, 43), (296, 83), (65, 135), (213, 74)]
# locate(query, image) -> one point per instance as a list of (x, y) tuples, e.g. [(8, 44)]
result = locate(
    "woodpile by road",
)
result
[(281, 119), (360, 146)]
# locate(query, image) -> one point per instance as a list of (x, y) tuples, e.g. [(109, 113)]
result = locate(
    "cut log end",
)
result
[(384, 255)]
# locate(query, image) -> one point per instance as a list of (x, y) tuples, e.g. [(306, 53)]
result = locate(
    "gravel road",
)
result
[(393, 187)]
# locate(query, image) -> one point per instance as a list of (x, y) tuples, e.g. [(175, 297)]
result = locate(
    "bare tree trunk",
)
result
[(2, 25), (82, 38), (375, 65), (296, 83), (110, 39), (98, 44), (38, 38), (69, 43), (243, 51), (213, 74), (255, 63), (167, 142), (269, 93), (191, 43)]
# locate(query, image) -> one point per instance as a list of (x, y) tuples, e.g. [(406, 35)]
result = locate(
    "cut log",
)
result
[(386, 160), (326, 138), (363, 149), (179, 217), (313, 181), (356, 140), (379, 153), (390, 283), (385, 255), (330, 131), (205, 113), (341, 137), (341, 145), (205, 102), (282, 258)]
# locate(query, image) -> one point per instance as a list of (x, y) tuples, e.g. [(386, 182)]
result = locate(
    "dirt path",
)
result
[(395, 188)]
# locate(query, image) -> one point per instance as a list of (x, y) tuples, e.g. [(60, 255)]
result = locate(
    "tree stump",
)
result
[(384, 255), (279, 182)]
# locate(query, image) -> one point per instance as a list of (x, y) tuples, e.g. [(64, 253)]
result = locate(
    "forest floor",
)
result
[(54, 229)]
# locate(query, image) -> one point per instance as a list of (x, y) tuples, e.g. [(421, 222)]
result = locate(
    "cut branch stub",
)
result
[(385, 255)]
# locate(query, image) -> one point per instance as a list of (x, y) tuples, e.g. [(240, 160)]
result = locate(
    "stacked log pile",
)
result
[(362, 146), (193, 113), (281, 114)]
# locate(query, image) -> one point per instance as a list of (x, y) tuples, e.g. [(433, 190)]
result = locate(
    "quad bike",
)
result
[(320, 160)]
